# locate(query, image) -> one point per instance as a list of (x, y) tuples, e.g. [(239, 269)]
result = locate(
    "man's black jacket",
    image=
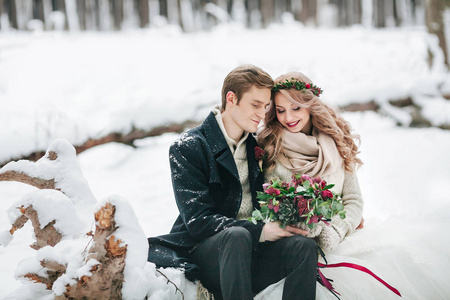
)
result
[(208, 194)]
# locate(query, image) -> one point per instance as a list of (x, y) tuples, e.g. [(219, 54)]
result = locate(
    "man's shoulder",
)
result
[(206, 135), (190, 139)]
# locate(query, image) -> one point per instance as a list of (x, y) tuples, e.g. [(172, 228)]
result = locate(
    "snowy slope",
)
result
[(85, 85)]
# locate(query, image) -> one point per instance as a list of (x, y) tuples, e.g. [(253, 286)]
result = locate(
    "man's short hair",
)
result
[(242, 78)]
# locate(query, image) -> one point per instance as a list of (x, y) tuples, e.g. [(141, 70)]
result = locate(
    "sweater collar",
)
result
[(231, 143)]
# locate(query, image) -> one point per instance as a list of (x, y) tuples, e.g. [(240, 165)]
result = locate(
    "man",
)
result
[(215, 177)]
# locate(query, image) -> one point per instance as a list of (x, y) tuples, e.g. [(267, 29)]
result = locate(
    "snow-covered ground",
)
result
[(75, 86), (403, 180)]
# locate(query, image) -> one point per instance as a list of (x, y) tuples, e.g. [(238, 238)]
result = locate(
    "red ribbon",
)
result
[(353, 266)]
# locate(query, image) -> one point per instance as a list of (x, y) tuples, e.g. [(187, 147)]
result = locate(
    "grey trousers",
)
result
[(229, 267)]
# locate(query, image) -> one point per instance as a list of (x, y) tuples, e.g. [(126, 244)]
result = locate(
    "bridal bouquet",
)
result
[(303, 200)]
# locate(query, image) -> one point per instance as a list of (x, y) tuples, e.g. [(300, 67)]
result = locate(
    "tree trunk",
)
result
[(357, 12), (81, 8), (47, 10), (144, 17), (118, 14), (267, 12), (308, 13), (343, 12), (91, 15), (280, 7), (379, 16), (435, 23), (154, 9), (12, 9), (61, 6), (39, 10), (163, 8)]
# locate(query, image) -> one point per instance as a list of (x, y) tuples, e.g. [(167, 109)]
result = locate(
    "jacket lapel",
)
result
[(219, 146)]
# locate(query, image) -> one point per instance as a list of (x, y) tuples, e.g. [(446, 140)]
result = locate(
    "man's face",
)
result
[(251, 109)]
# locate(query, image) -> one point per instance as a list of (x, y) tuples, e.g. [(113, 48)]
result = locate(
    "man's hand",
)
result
[(272, 231)]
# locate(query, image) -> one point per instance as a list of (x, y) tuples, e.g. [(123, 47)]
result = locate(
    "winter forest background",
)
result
[(121, 79)]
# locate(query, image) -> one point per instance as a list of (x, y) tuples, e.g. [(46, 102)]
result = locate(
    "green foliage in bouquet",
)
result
[(304, 200)]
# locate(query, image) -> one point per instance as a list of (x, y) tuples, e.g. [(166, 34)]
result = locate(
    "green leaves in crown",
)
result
[(298, 85)]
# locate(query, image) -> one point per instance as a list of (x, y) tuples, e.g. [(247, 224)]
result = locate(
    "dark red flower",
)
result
[(327, 194), (305, 178), (276, 208), (302, 205), (313, 219), (272, 191), (259, 153)]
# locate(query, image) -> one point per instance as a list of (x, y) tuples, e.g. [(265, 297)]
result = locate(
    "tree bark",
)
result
[(144, 13), (117, 6), (435, 23), (379, 14), (81, 10), (267, 12), (39, 10), (107, 276)]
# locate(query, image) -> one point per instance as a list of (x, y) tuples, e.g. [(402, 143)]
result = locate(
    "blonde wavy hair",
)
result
[(323, 118)]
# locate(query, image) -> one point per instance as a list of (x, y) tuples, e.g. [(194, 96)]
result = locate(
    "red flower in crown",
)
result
[(308, 86), (260, 155)]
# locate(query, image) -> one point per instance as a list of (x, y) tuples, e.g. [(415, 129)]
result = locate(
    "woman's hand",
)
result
[(329, 238), (312, 233), (272, 231), (361, 225)]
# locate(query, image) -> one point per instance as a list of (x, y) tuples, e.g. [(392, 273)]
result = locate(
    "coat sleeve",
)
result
[(353, 205), (190, 178)]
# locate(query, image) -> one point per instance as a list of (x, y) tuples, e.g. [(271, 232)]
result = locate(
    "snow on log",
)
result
[(71, 261), (58, 169), (52, 214)]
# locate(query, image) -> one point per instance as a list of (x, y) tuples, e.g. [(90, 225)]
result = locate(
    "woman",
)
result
[(302, 135)]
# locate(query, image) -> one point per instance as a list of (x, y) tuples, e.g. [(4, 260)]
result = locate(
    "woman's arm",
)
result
[(332, 235)]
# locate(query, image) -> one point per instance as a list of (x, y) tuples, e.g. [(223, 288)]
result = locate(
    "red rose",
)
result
[(327, 194), (308, 86)]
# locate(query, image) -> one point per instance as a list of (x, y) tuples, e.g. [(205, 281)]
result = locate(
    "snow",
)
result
[(84, 85), (51, 205), (435, 109), (50, 80)]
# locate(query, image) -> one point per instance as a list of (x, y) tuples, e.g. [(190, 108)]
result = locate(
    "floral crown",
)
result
[(298, 85)]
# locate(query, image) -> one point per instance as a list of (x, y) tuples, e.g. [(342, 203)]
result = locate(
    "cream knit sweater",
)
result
[(239, 151), (346, 184)]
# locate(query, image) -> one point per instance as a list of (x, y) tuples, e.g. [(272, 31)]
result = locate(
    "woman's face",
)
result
[(294, 118)]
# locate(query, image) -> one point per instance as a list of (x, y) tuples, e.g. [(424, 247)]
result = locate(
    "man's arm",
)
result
[(190, 178)]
